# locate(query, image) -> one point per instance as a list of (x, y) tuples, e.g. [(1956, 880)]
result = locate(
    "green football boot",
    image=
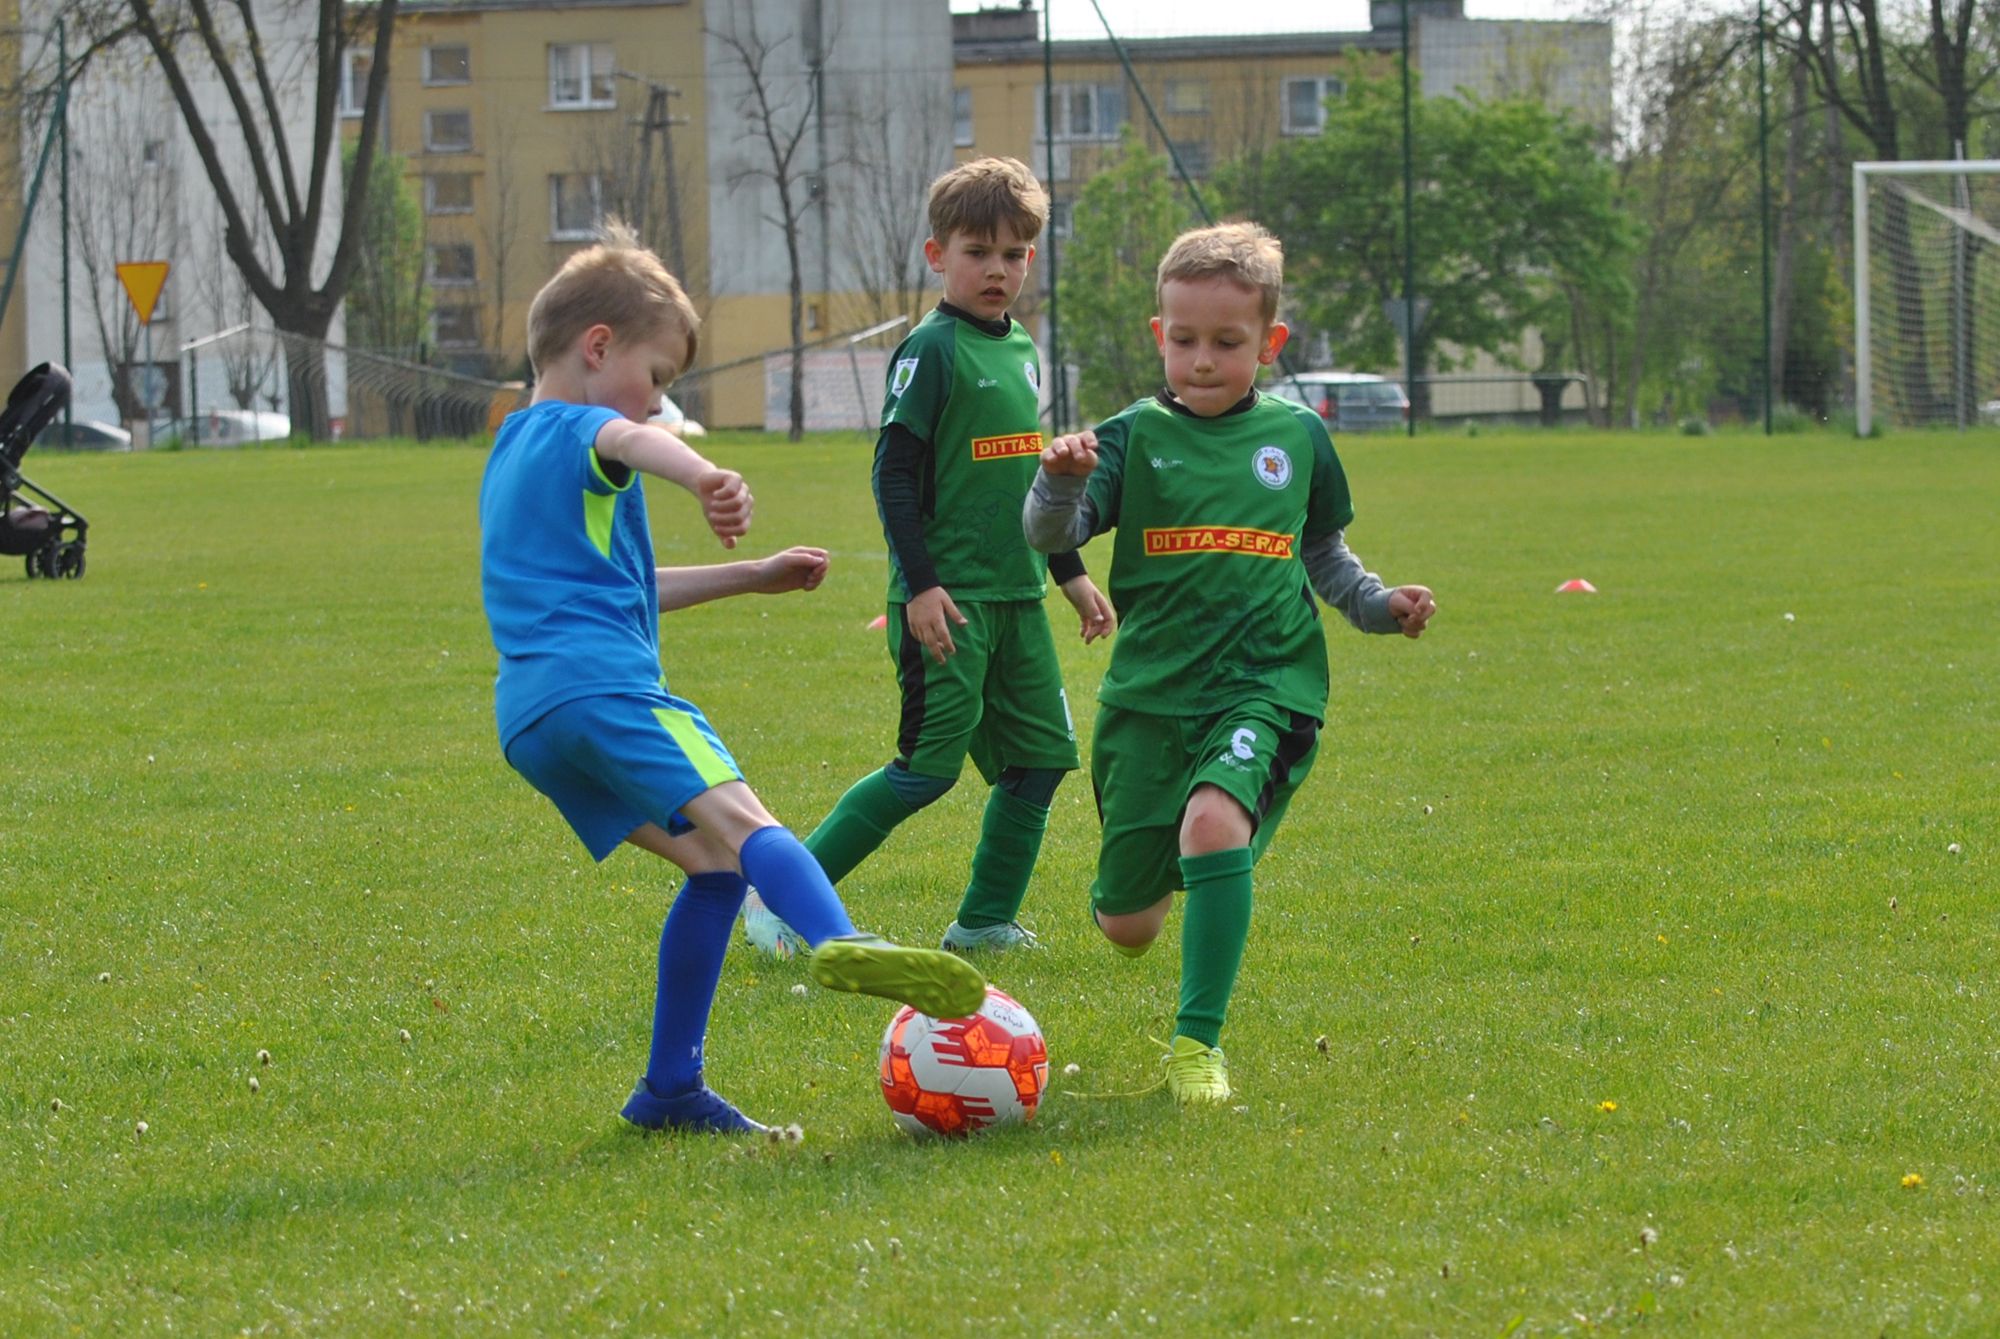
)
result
[(1197, 1075), (929, 980)]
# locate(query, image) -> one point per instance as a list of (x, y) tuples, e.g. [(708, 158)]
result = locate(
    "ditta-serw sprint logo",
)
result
[(1014, 444), (1166, 541)]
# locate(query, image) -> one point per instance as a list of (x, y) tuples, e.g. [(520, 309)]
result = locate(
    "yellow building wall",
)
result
[(519, 141)]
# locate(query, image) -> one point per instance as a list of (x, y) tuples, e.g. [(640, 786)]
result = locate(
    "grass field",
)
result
[(1628, 963)]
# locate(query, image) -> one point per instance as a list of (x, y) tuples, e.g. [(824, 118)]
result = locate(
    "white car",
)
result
[(1990, 412), (230, 427), (675, 420)]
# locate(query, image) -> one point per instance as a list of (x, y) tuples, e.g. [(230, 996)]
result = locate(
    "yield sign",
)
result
[(143, 280)]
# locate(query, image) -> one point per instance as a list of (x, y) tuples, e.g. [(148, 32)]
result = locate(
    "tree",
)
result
[(1516, 216), (891, 183), (284, 203), (1122, 223), (388, 301), (776, 113)]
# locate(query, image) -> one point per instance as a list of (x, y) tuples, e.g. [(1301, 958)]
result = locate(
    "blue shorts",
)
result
[(612, 764)]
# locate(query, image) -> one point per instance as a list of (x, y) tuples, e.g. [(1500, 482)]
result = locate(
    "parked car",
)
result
[(1347, 401), (675, 420), (85, 435), (228, 427), (1990, 412)]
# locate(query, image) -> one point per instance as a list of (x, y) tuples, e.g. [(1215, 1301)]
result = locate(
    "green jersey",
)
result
[(975, 398), (1214, 605)]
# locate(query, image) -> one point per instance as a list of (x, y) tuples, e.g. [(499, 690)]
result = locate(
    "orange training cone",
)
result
[(1576, 585), (879, 622)]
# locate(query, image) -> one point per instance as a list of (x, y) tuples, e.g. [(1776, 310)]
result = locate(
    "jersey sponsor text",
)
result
[(1177, 539), (1013, 444)]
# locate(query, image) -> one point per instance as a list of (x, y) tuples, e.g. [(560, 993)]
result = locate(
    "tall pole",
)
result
[(1058, 382), (1409, 235), (62, 131), (1764, 205)]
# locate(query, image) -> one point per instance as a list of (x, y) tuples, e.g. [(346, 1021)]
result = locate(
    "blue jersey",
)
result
[(566, 567)]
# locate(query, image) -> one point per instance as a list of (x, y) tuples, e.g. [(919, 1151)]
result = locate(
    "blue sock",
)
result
[(692, 945), (793, 885)]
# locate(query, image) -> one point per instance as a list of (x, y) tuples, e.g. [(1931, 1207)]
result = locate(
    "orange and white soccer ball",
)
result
[(955, 1076)]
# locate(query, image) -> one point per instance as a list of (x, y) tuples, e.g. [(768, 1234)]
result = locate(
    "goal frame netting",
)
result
[(1959, 316)]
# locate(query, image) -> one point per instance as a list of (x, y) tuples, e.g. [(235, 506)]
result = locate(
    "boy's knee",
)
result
[(1031, 785), (1214, 821), (915, 789)]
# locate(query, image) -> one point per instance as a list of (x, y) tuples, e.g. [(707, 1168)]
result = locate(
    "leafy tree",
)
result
[(1516, 217), (388, 302), (1122, 223)]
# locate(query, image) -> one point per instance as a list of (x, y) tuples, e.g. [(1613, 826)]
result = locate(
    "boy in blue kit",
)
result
[(573, 599), (1230, 509), (975, 660)]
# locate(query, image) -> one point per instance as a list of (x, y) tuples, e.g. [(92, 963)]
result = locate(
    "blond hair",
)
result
[(977, 197), (616, 283), (1243, 253)]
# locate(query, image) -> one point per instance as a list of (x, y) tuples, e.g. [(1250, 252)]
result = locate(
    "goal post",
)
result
[(1926, 292)]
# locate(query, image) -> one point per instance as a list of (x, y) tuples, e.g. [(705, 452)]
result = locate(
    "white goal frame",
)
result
[(1864, 353)]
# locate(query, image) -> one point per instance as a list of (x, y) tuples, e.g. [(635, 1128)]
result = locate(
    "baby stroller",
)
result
[(30, 530)]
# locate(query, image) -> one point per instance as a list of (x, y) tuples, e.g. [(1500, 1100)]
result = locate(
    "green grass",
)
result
[(1663, 847)]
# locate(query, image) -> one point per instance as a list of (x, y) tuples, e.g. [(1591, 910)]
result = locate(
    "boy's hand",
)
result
[(1412, 607), (1074, 454), (796, 568), (726, 504), (930, 617), (1095, 612)]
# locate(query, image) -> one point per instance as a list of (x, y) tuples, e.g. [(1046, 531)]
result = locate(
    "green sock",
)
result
[(1010, 837), (1213, 932), (863, 819)]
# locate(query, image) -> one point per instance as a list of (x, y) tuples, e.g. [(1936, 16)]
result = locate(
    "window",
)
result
[(447, 65), (1187, 97), (1085, 112), (355, 66), (580, 76), (1304, 111), (576, 203), (961, 117), (451, 265), (1060, 213), (448, 193), (455, 327), (448, 132), (154, 154), (1195, 156)]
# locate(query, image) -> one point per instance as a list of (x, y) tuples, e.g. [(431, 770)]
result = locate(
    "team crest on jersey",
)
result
[(1273, 466), (906, 372), (1034, 377)]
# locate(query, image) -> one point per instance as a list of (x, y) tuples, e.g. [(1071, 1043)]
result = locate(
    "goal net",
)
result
[(1926, 294)]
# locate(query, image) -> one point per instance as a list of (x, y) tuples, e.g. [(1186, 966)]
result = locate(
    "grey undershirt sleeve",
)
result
[(1338, 577), (1057, 516)]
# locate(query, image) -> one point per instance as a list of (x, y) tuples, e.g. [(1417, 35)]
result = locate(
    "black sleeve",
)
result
[(902, 467), (1065, 566)]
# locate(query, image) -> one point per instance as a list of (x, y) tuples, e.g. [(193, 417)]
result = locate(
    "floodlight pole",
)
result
[(62, 131), (1409, 234), (1764, 205), (1058, 383)]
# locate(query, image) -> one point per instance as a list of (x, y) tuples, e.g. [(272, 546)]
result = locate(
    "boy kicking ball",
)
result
[(1228, 506), (573, 600)]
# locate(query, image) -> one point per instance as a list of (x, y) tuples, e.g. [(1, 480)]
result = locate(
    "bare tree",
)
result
[(890, 184), (123, 197), (502, 221), (249, 357), (778, 112), (286, 202)]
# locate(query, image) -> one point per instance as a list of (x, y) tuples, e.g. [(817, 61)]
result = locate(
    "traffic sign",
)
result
[(143, 280)]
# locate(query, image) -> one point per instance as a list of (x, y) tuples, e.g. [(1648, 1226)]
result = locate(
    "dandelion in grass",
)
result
[(1913, 1181), (1607, 1106)]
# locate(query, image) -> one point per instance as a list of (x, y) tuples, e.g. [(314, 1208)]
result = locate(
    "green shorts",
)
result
[(1144, 767), (999, 697)]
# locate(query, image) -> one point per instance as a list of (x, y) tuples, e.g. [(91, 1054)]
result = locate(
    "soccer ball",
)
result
[(954, 1076)]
